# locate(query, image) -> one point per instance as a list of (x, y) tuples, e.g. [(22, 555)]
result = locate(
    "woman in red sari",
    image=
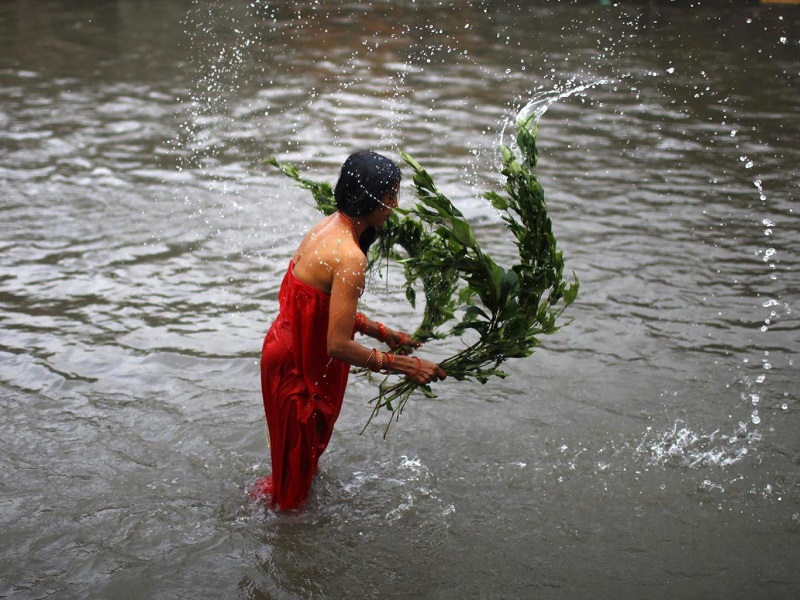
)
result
[(310, 347)]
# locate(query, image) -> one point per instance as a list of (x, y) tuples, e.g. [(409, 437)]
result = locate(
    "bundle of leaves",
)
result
[(497, 312)]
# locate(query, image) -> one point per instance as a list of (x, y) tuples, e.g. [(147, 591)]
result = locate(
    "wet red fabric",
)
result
[(302, 388)]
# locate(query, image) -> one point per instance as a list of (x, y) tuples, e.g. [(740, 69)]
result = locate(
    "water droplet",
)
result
[(755, 418)]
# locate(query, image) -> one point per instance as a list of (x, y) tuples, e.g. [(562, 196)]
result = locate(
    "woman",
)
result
[(308, 351)]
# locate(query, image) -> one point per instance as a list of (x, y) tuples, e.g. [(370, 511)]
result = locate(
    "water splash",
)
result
[(542, 101), (680, 446), (394, 491), (775, 309)]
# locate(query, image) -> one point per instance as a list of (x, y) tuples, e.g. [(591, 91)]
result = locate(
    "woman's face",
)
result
[(387, 204)]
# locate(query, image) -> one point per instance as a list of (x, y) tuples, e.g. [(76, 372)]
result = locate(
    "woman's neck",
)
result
[(356, 224)]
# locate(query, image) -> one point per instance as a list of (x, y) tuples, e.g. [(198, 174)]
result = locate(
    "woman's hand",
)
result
[(401, 342), (425, 371)]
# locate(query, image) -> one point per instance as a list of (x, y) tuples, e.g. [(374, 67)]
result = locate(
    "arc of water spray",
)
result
[(542, 101)]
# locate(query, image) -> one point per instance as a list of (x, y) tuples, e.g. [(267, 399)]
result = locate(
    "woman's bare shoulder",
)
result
[(350, 268), (327, 252), (314, 236)]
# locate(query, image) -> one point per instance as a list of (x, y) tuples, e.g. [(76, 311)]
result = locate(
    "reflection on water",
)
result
[(650, 445)]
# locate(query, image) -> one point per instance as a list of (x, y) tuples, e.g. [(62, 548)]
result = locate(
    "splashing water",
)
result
[(542, 101), (682, 447)]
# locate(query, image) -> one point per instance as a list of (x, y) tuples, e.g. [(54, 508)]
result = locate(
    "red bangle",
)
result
[(419, 366), (382, 332), (390, 358), (403, 338), (361, 322)]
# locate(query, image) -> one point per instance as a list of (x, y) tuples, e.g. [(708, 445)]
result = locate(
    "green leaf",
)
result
[(410, 161), (571, 293), (463, 232), (496, 200), (429, 393), (439, 204), (411, 296), (476, 311)]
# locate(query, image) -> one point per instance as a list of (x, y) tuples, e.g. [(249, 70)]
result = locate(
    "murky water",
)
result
[(649, 449)]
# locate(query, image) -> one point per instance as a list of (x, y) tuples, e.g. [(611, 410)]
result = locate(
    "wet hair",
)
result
[(365, 179)]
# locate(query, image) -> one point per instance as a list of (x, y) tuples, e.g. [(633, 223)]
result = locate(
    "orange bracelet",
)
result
[(390, 359), (401, 341), (419, 366), (361, 323), (382, 332)]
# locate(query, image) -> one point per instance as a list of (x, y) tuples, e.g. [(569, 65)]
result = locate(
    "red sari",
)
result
[(302, 387)]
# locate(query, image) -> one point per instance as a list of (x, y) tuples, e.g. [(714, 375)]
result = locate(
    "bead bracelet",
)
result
[(378, 360), (378, 363)]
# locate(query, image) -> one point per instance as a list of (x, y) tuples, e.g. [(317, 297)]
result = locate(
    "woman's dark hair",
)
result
[(365, 179)]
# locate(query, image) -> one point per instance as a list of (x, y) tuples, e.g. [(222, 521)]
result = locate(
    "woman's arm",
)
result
[(346, 286), (399, 341), (348, 281)]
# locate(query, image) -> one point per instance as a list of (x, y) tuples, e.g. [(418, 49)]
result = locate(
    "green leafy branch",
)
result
[(503, 311), (322, 192)]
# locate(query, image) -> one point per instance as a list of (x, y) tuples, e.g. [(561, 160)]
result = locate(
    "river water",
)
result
[(648, 449)]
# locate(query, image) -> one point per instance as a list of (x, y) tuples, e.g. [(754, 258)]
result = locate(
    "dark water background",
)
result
[(649, 449)]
